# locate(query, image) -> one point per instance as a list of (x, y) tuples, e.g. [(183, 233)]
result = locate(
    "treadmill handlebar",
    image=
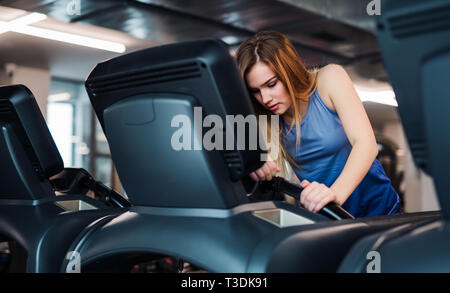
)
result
[(332, 210), (79, 181)]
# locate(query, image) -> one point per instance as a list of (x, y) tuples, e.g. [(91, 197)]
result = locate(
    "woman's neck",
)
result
[(288, 116)]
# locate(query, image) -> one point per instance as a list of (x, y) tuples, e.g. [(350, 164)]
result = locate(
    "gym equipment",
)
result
[(278, 187), (136, 96), (39, 224), (183, 205), (415, 41)]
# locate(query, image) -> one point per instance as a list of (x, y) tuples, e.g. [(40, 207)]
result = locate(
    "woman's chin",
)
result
[(278, 111)]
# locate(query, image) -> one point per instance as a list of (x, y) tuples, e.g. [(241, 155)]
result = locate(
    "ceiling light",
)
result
[(71, 38), (21, 21), (21, 25)]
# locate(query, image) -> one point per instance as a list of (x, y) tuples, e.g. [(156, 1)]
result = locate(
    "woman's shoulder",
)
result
[(326, 78), (328, 73)]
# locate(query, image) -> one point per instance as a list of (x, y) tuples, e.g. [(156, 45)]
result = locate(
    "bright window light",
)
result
[(59, 121), (386, 97), (58, 97), (21, 26)]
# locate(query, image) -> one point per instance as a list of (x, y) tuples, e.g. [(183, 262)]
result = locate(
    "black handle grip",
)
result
[(79, 181), (332, 210)]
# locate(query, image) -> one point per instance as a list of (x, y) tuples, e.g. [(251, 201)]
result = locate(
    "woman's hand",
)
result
[(266, 172), (316, 195)]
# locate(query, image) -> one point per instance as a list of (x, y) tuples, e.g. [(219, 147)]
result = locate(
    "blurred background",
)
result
[(51, 45)]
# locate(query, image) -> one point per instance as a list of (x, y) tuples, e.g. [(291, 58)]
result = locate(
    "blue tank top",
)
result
[(322, 154)]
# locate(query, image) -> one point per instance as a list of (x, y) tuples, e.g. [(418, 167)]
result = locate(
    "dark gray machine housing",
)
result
[(414, 37), (136, 97), (23, 141), (32, 219)]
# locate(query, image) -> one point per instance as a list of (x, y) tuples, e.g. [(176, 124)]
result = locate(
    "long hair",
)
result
[(276, 51)]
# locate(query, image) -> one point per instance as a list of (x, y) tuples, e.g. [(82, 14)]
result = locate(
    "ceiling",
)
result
[(323, 31), (316, 28)]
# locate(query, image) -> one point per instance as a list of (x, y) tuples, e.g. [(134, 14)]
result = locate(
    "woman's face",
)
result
[(268, 89)]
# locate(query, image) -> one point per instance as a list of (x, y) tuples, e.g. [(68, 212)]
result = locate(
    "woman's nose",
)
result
[(266, 98)]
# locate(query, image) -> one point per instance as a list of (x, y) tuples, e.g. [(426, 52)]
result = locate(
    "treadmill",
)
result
[(415, 40), (193, 204), (187, 205), (42, 205)]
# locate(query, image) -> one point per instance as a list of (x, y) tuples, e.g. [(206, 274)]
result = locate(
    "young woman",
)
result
[(325, 134)]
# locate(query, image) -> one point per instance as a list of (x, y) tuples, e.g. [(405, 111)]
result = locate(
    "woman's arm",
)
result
[(267, 171), (337, 85), (357, 128)]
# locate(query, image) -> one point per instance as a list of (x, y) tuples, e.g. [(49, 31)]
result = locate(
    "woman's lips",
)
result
[(273, 108)]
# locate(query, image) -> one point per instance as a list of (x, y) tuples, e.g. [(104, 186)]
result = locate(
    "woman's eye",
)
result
[(272, 84)]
